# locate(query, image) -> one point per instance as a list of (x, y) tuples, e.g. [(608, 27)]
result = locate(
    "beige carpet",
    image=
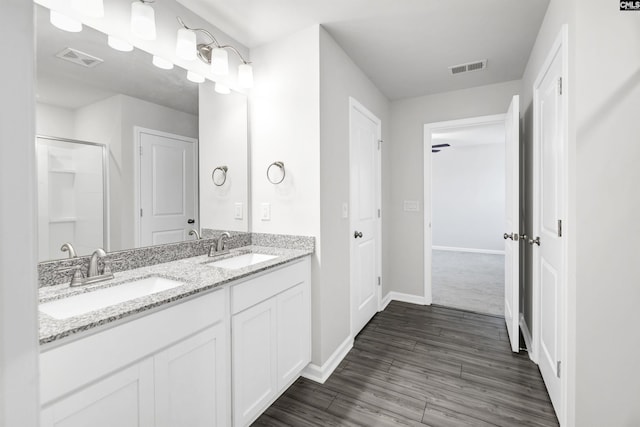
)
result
[(470, 281)]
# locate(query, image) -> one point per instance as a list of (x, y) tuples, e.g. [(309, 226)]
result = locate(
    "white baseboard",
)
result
[(526, 334), (473, 250), (320, 374), (398, 296)]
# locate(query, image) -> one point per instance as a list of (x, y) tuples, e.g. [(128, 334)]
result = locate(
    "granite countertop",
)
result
[(194, 272)]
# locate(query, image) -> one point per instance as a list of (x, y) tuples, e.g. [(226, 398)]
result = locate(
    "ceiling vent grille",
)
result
[(79, 58), (468, 67)]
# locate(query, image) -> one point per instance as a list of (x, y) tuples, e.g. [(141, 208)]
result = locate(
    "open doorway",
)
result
[(468, 214)]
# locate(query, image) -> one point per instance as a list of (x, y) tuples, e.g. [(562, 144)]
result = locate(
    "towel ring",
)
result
[(221, 177), (276, 179)]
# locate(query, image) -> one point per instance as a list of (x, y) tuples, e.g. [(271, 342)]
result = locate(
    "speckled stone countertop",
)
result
[(194, 272)]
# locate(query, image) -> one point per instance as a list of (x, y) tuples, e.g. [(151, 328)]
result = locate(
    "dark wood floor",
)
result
[(417, 366)]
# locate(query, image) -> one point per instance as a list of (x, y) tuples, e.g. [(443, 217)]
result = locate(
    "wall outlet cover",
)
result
[(411, 206)]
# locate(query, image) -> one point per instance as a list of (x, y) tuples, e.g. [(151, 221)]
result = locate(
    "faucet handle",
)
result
[(77, 278)]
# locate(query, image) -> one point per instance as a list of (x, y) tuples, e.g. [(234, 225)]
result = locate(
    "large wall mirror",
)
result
[(131, 154)]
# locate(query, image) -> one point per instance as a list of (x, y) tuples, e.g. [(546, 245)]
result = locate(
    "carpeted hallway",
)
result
[(469, 281)]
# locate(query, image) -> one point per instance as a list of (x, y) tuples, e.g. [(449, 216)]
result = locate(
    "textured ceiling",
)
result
[(404, 46)]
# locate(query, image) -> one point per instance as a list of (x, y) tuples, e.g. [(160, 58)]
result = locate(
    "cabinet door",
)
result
[(123, 399), (294, 333), (191, 381), (254, 360)]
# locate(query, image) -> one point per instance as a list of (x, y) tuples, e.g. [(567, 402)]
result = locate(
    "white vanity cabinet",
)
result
[(271, 337), (168, 368)]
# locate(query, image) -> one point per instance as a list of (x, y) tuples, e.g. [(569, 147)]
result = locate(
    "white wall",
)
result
[(468, 185), (19, 398), (340, 79), (223, 142), (52, 120), (408, 117), (606, 92), (285, 126)]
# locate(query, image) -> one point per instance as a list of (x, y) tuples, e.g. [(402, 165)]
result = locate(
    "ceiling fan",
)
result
[(434, 148)]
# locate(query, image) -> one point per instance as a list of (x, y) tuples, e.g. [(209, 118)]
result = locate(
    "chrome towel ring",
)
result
[(276, 176), (220, 177)]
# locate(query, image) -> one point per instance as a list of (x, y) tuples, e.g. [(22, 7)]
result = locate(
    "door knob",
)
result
[(535, 241), (357, 234), (507, 236), (191, 221)]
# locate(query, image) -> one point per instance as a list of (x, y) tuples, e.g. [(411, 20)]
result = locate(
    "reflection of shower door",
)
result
[(72, 197), (167, 187)]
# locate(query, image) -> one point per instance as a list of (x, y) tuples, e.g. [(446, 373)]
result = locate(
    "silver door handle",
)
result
[(535, 241), (513, 236)]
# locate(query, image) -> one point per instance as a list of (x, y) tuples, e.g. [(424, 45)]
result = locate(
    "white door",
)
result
[(191, 381), (512, 221), (123, 399), (548, 213), (364, 149), (294, 337), (167, 188), (254, 360)]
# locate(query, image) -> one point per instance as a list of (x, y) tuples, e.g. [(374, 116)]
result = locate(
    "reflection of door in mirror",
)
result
[(72, 196), (167, 187)]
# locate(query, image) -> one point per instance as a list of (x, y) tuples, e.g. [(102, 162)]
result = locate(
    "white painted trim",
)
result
[(320, 374), (137, 130), (526, 334), (408, 298), (560, 46), (472, 250), (355, 105), (429, 128), (386, 300)]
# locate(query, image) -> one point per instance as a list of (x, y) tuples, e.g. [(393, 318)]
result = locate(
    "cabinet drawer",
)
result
[(253, 291), (78, 363)]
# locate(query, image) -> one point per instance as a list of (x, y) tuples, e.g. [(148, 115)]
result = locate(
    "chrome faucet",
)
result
[(219, 247), (194, 232), (93, 274), (67, 247)]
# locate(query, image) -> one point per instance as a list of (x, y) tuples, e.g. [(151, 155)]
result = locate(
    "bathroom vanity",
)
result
[(215, 349)]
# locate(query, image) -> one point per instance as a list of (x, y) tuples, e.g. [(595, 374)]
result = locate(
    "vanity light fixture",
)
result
[(222, 89), (92, 8), (119, 44), (194, 77), (143, 20), (186, 44), (64, 22), (213, 53), (162, 63)]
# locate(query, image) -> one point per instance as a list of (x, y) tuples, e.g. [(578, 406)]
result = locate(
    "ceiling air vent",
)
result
[(468, 67), (79, 58)]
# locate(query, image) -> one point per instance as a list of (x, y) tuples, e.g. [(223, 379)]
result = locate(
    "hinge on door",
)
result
[(560, 85), (559, 228), (558, 369), (379, 143), (378, 213), (141, 150), (379, 281), (141, 212)]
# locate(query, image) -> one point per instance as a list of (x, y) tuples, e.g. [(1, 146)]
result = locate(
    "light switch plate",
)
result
[(265, 211), (345, 210), (411, 206), (238, 211)]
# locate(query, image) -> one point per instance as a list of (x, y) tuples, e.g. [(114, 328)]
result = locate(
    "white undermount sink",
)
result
[(101, 298), (241, 261)]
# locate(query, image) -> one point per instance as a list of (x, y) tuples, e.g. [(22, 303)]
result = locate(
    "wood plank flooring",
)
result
[(422, 366)]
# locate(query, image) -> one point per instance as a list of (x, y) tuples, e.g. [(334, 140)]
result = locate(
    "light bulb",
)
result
[(143, 21), (162, 63), (186, 44), (219, 62), (92, 8), (119, 44), (245, 76), (222, 89), (64, 22), (194, 77)]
